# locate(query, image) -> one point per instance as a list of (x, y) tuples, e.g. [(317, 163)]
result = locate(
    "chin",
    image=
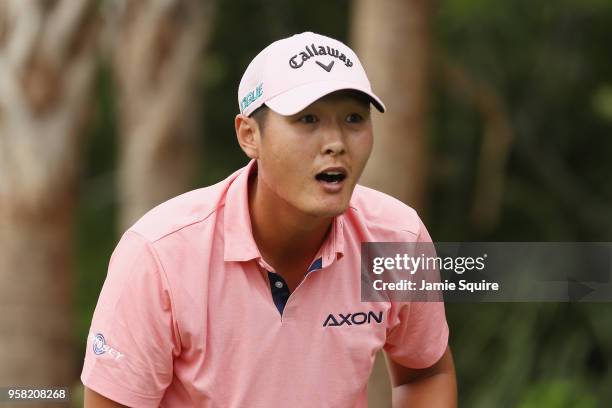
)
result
[(318, 210)]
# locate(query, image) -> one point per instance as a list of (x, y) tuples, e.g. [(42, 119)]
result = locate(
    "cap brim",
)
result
[(297, 99)]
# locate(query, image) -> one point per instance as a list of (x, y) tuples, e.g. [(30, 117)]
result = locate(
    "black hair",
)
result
[(260, 114)]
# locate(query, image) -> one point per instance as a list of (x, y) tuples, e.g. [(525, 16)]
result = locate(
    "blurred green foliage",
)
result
[(550, 63), (557, 394)]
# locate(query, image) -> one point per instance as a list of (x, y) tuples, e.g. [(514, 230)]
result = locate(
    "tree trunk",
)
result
[(392, 41), (46, 65), (393, 44), (156, 60)]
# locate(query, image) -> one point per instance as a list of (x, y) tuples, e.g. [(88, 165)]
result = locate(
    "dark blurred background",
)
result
[(498, 129)]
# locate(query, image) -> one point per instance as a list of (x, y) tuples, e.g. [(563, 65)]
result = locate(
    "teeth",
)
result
[(333, 173)]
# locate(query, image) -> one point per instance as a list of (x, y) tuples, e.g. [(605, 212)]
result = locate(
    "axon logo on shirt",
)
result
[(353, 318)]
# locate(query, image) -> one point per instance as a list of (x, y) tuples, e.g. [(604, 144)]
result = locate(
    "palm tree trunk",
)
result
[(392, 40), (47, 60), (156, 60)]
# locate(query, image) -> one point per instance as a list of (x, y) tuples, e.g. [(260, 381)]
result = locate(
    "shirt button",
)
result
[(278, 284)]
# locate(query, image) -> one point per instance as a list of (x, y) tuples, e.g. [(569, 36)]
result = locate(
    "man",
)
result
[(223, 296)]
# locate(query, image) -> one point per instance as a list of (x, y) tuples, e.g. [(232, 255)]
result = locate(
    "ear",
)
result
[(247, 133)]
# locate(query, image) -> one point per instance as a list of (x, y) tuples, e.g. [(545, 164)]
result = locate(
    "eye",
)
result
[(309, 119), (354, 118)]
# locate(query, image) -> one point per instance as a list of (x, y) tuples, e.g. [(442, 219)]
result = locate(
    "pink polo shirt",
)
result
[(190, 315)]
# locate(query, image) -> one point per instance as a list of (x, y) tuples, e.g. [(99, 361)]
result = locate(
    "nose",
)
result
[(333, 140)]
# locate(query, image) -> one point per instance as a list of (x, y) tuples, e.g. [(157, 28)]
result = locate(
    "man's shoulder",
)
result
[(179, 212), (384, 211)]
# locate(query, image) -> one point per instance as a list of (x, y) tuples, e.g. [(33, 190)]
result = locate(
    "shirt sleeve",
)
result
[(133, 336), (417, 335)]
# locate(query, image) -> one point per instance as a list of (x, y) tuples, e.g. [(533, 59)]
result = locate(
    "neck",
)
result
[(283, 234)]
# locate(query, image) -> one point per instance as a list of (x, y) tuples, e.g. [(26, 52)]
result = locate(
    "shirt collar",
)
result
[(238, 234), (239, 242)]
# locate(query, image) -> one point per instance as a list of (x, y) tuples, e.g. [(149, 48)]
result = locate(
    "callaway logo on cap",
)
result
[(290, 74)]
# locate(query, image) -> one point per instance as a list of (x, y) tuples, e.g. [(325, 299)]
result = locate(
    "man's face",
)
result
[(312, 160)]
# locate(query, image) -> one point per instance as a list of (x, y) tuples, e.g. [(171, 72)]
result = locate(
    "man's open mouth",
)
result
[(331, 176)]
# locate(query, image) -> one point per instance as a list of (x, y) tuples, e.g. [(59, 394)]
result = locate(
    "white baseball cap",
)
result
[(291, 73)]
